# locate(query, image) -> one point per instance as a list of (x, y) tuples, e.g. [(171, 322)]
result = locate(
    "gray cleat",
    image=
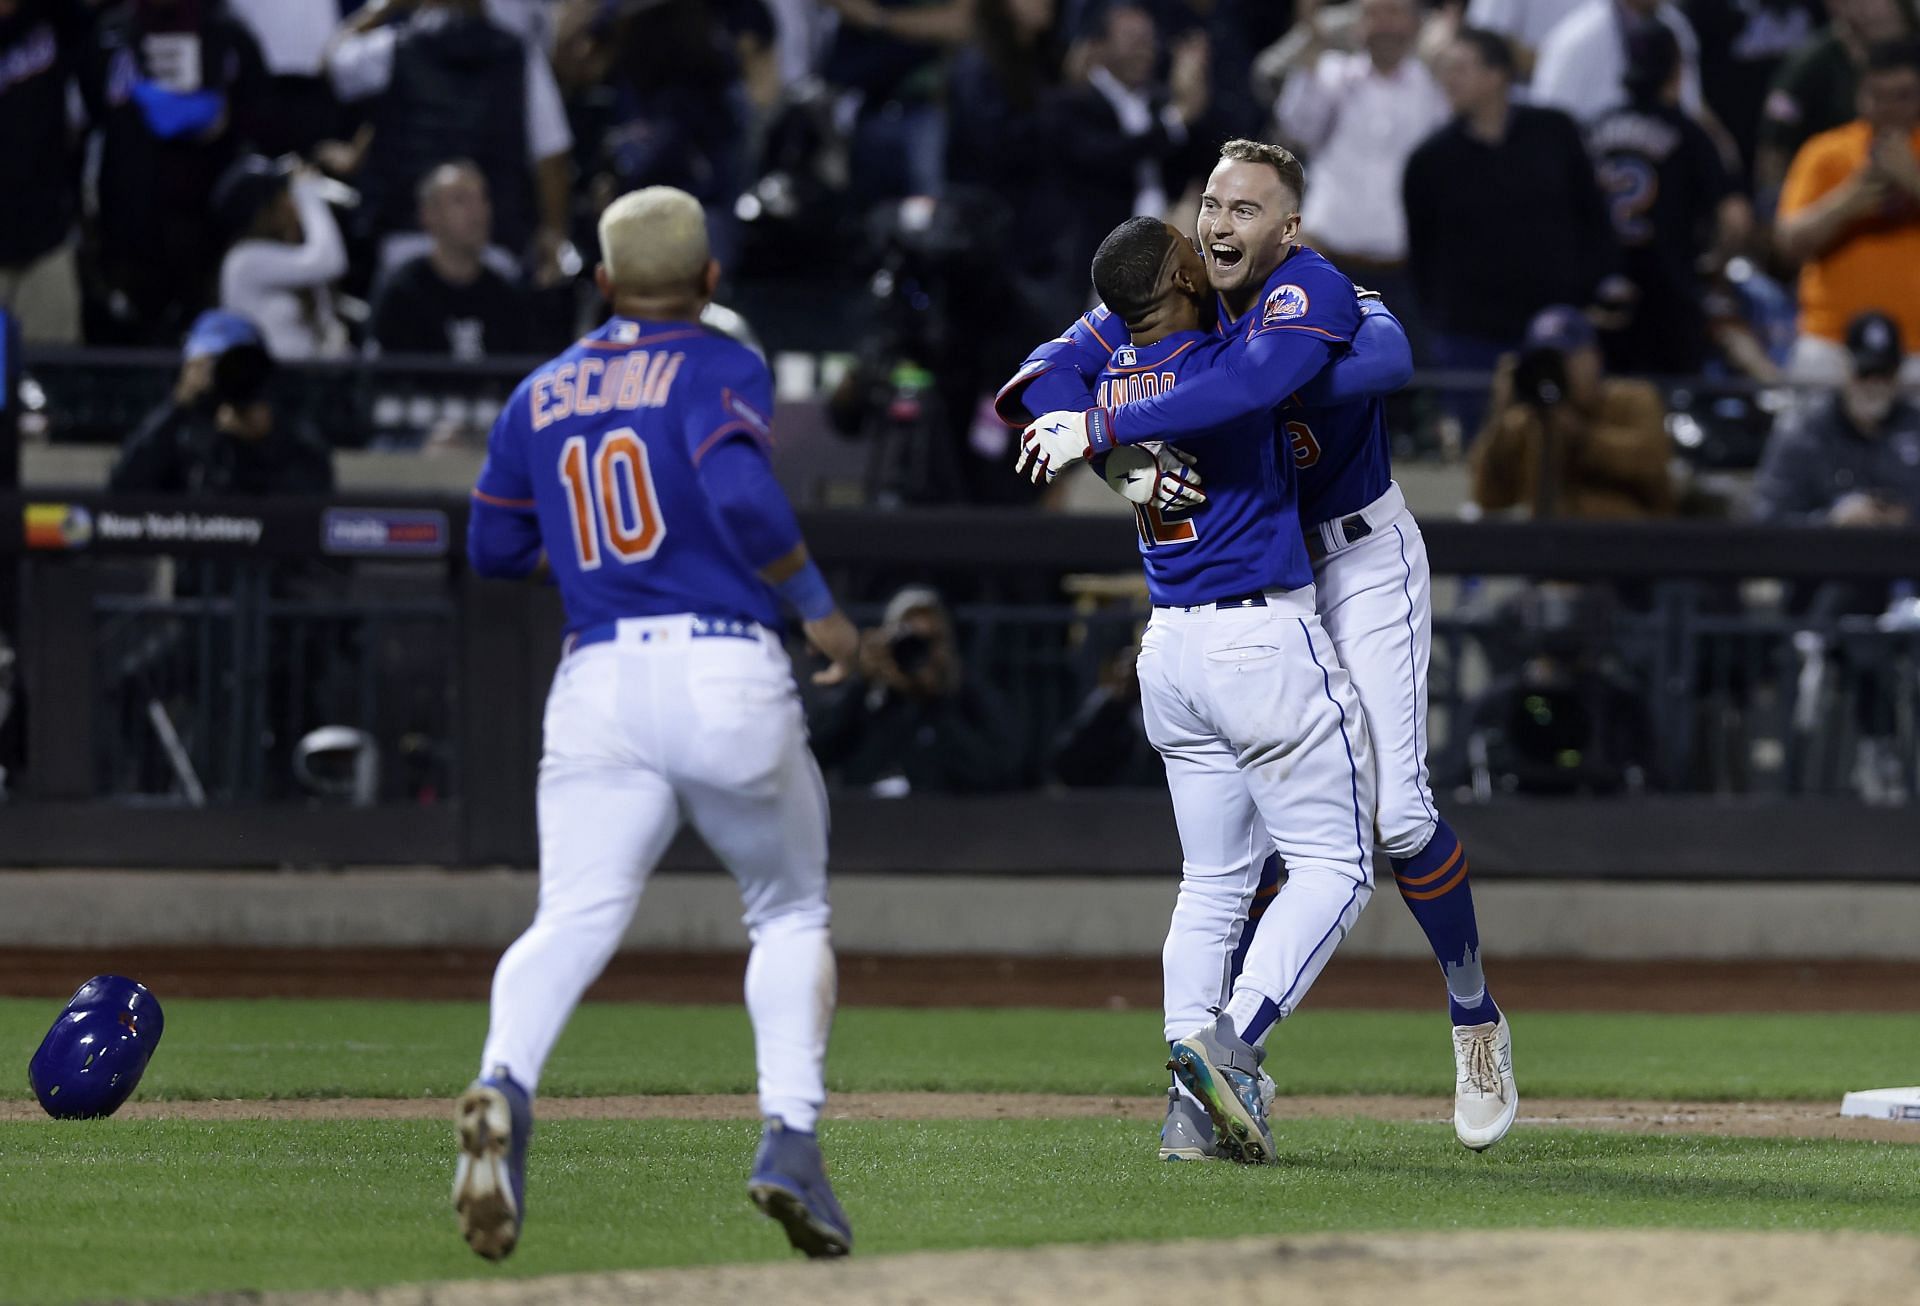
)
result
[(1188, 1133), (1223, 1072)]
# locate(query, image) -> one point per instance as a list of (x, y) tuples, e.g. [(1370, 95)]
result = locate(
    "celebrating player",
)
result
[(634, 467), (1370, 562), (1264, 743)]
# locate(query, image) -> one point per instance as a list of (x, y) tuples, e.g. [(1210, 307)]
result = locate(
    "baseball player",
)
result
[(1370, 563), (1263, 739), (633, 467)]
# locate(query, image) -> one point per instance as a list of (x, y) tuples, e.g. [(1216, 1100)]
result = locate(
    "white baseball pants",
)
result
[(1265, 747), (641, 731)]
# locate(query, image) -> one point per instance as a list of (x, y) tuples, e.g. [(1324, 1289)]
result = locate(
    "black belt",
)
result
[(1243, 601), (1354, 528)]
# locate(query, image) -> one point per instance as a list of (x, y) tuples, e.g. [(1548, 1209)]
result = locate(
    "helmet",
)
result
[(92, 1059)]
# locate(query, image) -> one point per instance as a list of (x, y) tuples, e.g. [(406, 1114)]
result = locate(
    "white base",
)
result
[(1883, 1104)]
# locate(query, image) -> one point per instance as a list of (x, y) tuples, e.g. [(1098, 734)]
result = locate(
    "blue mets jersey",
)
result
[(1246, 537), (1332, 417), (602, 449)]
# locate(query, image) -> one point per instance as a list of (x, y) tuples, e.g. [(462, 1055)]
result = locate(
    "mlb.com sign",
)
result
[(384, 532)]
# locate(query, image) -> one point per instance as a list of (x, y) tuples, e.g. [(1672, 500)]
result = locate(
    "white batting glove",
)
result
[(1056, 441), (1156, 475)]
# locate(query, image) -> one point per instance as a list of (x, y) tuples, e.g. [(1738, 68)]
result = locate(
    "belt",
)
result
[(700, 627), (1243, 601), (1353, 528)]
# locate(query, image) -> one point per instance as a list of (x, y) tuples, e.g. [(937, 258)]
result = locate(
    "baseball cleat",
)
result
[(495, 1120), (1223, 1072), (1187, 1134), (789, 1185), (1485, 1097)]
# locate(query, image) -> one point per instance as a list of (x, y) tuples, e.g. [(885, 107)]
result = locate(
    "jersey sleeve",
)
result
[(728, 430), (1060, 374), (1289, 336), (503, 532), (1379, 363), (1817, 170)]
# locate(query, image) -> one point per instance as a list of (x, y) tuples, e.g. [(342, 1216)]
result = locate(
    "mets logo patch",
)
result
[(1284, 305)]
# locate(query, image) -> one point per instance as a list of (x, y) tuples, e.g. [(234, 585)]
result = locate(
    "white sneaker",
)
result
[(1485, 1098)]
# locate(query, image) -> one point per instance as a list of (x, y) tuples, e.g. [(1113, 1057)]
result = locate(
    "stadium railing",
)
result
[(1643, 698)]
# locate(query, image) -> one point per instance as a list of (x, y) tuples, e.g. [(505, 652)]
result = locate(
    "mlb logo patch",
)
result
[(1125, 357), (625, 333), (1284, 305)]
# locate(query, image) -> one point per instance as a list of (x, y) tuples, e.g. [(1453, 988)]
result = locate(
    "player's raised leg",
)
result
[(753, 791), (604, 823), (1375, 599)]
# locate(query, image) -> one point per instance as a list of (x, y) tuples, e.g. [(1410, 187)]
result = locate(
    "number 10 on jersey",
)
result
[(611, 500)]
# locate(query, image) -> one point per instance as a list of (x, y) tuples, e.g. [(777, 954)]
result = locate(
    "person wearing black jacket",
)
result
[(1120, 140), (915, 723), (39, 43), (173, 89), (219, 433), (1504, 214)]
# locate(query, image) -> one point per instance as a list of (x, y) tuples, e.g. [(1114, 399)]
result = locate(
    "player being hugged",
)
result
[(1304, 354), (1244, 698), (634, 468)]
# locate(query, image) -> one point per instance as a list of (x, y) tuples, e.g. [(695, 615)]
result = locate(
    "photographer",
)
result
[(219, 433), (1565, 440), (917, 723)]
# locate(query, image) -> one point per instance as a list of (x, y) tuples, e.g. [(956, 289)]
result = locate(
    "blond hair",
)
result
[(1277, 157), (654, 240)]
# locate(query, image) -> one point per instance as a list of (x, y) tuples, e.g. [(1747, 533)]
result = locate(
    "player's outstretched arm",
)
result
[(1379, 363), (1251, 379), (1061, 373), (754, 512), (836, 637)]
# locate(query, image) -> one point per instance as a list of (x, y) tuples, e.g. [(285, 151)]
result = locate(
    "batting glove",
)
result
[(1158, 476), (1057, 441)]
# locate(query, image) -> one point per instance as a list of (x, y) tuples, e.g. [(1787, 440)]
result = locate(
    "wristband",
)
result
[(807, 591), (1099, 435)]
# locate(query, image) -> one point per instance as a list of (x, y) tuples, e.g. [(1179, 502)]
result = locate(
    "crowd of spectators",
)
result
[(422, 176)]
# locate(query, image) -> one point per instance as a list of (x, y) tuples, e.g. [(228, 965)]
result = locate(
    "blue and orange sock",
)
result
[(1434, 885), (1263, 897)]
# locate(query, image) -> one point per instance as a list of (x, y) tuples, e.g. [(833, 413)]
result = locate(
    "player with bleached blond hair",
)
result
[(633, 468)]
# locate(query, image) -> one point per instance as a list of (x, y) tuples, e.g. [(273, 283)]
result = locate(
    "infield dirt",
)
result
[(1733, 1119)]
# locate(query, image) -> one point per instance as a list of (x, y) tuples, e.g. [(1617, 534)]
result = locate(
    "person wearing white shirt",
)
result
[(1524, 22), (1584, 59), (1359, 116), (300, 112), (287, 252)]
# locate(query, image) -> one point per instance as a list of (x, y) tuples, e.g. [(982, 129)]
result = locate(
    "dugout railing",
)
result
[(1683, 699)]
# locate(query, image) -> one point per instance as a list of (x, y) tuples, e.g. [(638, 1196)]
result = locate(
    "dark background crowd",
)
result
[(1720, 188)]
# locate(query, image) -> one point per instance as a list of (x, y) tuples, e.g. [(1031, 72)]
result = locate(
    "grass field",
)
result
[(287, 1049), (141, 1208)]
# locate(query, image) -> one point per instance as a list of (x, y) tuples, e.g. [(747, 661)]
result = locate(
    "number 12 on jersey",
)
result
[(611, 500)]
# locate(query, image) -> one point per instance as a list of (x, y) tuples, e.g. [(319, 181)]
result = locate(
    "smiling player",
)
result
[(1289, 313)]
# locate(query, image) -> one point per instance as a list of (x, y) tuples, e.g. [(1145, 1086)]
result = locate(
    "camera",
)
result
[(909, 650), (1540, 378)]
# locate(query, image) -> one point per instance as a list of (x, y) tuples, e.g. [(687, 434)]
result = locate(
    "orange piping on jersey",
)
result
[(1333, 336), (1149, 367), (1088, 319), (735, 427), (525, 505), (1430, 878), (643, 340)]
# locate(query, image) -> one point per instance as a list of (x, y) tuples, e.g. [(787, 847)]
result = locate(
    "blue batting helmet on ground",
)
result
[(92, 1059)]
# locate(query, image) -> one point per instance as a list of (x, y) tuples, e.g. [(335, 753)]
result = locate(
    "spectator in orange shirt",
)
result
[(1850, 214)]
